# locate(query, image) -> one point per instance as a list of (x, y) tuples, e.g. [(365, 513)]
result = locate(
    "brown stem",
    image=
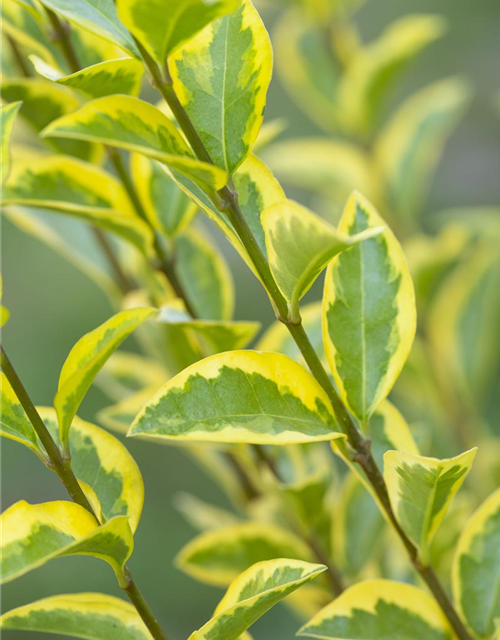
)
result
[(123, 280), (61, 34)]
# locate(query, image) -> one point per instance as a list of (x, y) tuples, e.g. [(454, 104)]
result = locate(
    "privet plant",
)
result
[(368, 543)]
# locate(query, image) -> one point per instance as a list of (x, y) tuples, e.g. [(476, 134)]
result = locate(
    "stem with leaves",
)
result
[(227, 201), (61, 465)]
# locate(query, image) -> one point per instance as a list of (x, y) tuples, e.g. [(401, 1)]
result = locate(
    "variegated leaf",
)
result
[(221, 77), (410, 145), (96, 16), (476, 568), (77, 188), (147, 21), (421, 490), (102, 462), (123, 76), (218, 556), (240, 396), (299, 246), (14, 423), (126, 373), (8, 115), (369, 315), (86, 359), (35, 534), (92, 616), (132, 124), (253, 593), (377, 609)]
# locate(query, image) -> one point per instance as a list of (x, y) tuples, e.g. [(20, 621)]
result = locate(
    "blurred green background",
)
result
[(52, 305)]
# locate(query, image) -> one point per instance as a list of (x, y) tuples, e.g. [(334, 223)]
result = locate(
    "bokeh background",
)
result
[(52, 305)]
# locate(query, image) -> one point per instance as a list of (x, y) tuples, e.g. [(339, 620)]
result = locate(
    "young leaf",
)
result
[(65, 184), (253, 593), (105, 465), (213, 336), (221, 77), (8, 115), (299, 246), (14, 423), (218, 556), (35, 534), (86, 359), (240, 396), (42, 102), (365, 85), (377, 609), (168, 209), (369, 315), (421, 490), (132, 124), (96, 16), (184, 19), (476, 568), (92, 616), (106, 78), (205, 276), (410, 145), (307, 67)]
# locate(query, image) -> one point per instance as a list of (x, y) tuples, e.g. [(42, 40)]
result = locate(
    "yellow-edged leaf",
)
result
[(377, 609), (162, 26), (421, 490), (132, 124), (123, 76), (14, 423), (369, 314), (68, 185), (476, 568), (102, 462), (86, 359), (92, 616), (221, 77), (299, 246), (240, 396), (35, 534), (253, 593)]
